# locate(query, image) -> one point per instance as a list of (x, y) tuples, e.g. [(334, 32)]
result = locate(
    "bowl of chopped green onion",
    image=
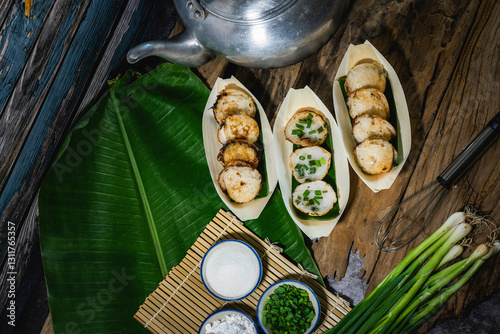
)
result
[(288, 306)]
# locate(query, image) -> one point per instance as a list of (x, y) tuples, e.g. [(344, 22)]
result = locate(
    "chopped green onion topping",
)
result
[(318, 163), (315, 201), (322, 161), (296, 132), (309, 156), (299, 126), (312, 132), (303, 120), (306, 192), (320, 129), (310, 116), (302, 157), (317, 192)]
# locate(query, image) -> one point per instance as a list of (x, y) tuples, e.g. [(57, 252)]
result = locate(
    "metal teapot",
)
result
[(251, 33)]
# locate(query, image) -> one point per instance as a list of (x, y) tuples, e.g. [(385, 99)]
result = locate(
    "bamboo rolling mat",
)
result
[(181, 303)]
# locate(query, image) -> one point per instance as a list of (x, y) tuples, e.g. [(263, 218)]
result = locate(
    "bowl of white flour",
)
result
[(228, 321), (231, 270)]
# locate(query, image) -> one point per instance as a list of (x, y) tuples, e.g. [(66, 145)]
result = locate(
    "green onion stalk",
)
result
[(440, 280), (413, 286), (454, 252), (392, 282), (417, 286)]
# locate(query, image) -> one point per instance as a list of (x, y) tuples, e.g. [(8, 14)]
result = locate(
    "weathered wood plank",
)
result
[(47, 326), (28, 268), (444, 53), (5, 8), (39, 73), (35, 105), (423, 40), (452, 93), (136, 21), (19, 35)]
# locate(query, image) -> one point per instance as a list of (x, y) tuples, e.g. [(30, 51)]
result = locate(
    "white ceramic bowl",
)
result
[(300, 285), (231, 270), (219, 315)]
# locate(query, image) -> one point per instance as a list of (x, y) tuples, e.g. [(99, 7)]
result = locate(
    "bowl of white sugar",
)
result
[(231, 270), (228, 321)]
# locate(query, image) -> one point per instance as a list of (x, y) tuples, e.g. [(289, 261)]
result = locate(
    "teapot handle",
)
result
[(181, 49)]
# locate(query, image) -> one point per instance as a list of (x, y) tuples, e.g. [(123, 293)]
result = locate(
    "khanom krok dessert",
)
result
[(368, 101), (310, 163), (370, 126), (307, 127), (233, 101), (365, 75), (238, 131), (239, 150), (368, 107), (314, 198), (240, 181), (239, 126)]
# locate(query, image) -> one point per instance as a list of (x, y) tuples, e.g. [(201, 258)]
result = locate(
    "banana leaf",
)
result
[(127, 196)]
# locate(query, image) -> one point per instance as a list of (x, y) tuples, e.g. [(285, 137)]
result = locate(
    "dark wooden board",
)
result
[(445, 53)]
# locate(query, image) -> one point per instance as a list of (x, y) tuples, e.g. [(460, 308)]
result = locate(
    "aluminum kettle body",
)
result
[(251, 33)]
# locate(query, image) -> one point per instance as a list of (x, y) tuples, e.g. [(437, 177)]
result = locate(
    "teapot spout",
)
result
[(182, 49)]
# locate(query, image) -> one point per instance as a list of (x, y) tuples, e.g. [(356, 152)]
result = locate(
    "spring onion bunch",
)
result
[(418, 286)]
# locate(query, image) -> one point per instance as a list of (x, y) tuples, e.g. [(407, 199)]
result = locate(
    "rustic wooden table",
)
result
[(54, 64)]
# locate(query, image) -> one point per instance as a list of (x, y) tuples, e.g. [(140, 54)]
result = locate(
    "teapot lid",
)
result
[(246, 10)]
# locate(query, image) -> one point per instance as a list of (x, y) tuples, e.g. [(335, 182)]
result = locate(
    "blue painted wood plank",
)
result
[(72, 68), (67, 88), (36, 79), (19, 34)]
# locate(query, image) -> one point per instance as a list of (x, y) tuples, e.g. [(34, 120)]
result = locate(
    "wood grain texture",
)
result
[(433, 47), (79, 45), (444, 56), (17, 43), (47, 326), (445, 53)]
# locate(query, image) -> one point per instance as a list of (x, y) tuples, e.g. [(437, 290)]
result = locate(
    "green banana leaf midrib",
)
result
[(140, 186)]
